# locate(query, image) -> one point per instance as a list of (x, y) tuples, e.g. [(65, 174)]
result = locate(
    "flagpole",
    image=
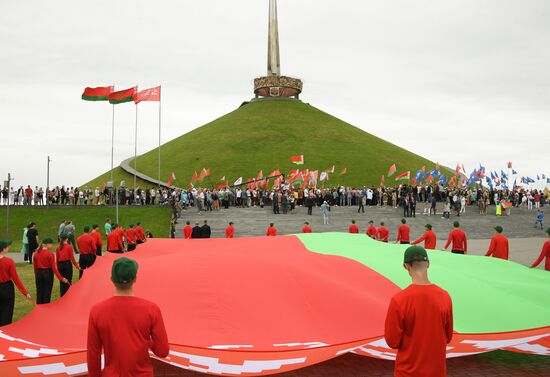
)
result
[(112, 144), (159, 146), (135, 152)]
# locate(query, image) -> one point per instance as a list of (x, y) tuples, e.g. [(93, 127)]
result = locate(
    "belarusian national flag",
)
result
[(238, 182), (122, 96), (97, 94), (298, 160), (193, 178), (330, 170), (382, 181), (202, 175), (344, 171), (172, 178), (292, 173), (392, 170), (151, 94), (403, 176)]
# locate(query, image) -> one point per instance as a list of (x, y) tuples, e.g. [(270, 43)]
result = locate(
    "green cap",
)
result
[(415, 254), (64, 236), (456, 224), (371, 222), (4, 244), (95, 226), (429, 226), (548, 230), (86, 229), (47, 240), (124, 270), (499, 229)]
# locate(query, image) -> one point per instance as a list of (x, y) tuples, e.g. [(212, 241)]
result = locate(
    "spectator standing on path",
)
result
[(325, 209), (196, 231), (32, 238), (371, 230), (230, 231), (187, 230), (309, 205), (540, 219), (545, 253), (403, 233), (44, 269), (61, 230), (271, 230), (64, 255), (499, 245), (205, 230), (353, 228), (458, 238), (382, 233), (429, 237), (8, 276), (419, 321), (139, 322), (87, 246), (362, 201), (69, 231), (306, 228)]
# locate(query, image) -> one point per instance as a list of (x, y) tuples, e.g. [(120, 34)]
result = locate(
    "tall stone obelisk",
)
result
[(275, 85)]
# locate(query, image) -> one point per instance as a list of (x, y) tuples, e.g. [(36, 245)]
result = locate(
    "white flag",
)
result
[(238, 182), (324, 176)]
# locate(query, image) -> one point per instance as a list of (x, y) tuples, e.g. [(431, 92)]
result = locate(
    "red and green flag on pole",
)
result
[(344, 171), (298, 160), (392, 170), (330, 170), (122, 96), (171, 179), (97, 94), (403, 176)]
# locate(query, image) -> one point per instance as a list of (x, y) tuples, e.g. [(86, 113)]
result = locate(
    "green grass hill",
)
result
[(262, 135)]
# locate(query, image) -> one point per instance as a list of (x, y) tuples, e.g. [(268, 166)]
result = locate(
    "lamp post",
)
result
[(48, 182)]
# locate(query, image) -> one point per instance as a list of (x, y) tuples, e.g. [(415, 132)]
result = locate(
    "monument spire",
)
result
[(273, 59)]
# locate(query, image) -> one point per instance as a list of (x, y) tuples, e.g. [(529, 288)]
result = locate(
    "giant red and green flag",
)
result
[(97, 94), (122, 96), (497, 305), (151, 94), (392, 170), (403, 176)]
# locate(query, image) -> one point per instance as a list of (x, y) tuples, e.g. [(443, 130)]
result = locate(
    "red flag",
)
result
[(298, 160), (172, 177), (457, 168), (403, 176), (344, 171), (97, 94), (193, 178), (151, 94), (392, 170), (274, 173), (429, 179), (330, 170), (122, 96), (202, 175), (463, 168), (382, 181)]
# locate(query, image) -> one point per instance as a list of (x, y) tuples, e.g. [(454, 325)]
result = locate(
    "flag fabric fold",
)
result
[(122, 96), (151, 94), (97, 94)]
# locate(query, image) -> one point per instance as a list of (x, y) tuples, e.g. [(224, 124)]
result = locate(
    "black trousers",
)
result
[(309, 210), (7, 302), (116, 251), (31, 251), (66, 270), (457, 251), (85, 261), (132, 246), (98, 250), (405, 242), (43, 278)]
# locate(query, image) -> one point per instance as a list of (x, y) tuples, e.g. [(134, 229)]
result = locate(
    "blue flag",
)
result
[(514, 172)]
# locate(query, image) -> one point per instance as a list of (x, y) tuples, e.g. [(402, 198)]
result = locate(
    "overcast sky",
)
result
[(454, 81)]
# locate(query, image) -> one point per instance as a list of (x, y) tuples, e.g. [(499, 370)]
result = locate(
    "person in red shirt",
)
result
[(64, 255), (371, 230), (114, 241), (230, 231), (187, 230), (124, 316), (44, 269), (545, 253), (130, 236), (429, 237), (458, 239), (8, 276), (403, 233), (271, 230), (87, 247), (306, 228), (97, 237), (140, 235), (419, 321), (353, 228), (383, 233), (499, 245)]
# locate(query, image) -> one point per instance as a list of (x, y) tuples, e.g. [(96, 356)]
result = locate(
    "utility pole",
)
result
[(8, 209), (48, 182)]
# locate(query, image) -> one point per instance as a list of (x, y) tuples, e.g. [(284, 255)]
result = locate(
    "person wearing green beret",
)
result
[(8, 276), (544, 254), (499, 245), (419, 321), (124, 317), (44, 270)]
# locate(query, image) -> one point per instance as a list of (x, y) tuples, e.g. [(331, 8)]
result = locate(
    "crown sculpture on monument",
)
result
[(275, 85)]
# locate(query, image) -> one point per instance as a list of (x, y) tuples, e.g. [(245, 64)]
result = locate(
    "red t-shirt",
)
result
[(271, 231), (403, 233), (545, 253), (65, 254), (371, 231), (229, 231), (86, 244), (44, 259), (139, 233), (353, 228), (307, 229), (113, 242), (130, 236), (134, 321), (498, 247), (458, 238), (429, 238), (8, 272), (419, 324), (97, 237), (383, 233), (187, 230)]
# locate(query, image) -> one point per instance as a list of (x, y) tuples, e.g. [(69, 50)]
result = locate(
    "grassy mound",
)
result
[(262, 135)]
